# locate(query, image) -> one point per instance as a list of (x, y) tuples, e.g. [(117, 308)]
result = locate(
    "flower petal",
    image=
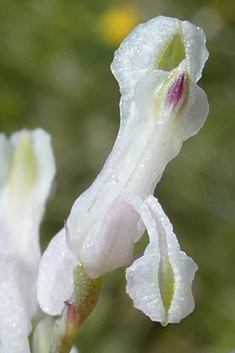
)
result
[(111, 244), (193, 115), (15, 322), (26, 176), (161, 127), (160, 281), (22, 210), (55, 279), (146, 44)]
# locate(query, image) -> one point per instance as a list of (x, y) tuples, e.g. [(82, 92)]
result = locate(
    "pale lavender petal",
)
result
[(110, 244)]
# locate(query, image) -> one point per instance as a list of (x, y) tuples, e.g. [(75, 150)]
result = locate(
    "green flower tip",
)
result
[(172, 55), (166, 285), (23, 165)]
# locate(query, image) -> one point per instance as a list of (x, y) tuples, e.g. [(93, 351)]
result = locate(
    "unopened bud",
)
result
[(65, 329)]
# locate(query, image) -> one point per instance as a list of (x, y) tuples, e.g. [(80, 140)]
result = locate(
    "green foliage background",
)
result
[(54, 73)]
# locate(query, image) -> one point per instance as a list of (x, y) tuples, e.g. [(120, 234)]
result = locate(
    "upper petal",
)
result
[(146, 44), (29, 169)]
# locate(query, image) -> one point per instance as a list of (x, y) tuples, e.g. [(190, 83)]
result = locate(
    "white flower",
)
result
[(27, 170), (157, 67)]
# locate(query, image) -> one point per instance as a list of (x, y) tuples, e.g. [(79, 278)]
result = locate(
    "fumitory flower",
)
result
[(157, 67), (26, 174)]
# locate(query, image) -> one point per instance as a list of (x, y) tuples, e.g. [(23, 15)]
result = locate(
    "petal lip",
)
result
[(142, 275), (183, 266)]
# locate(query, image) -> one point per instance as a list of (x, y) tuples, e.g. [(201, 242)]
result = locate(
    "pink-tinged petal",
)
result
[(193, 114), (176, 92), (110, 243)]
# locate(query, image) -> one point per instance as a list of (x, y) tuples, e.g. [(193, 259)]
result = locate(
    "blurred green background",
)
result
[(54, 73)]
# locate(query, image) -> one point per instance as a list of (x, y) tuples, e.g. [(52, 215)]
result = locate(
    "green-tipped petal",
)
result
[(160, 281)]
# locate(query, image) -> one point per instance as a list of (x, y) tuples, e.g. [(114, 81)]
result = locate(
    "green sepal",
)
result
[(66, 329), (84, 298), (86, 292)]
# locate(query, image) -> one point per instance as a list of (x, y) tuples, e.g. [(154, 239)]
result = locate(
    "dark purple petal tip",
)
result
[(72, 315), (176, 91)]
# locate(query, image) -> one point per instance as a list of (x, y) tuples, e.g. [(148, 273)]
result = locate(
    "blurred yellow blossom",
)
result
[(117, 22), (225, 9)]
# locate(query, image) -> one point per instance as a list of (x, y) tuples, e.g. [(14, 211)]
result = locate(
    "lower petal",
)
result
[(55, 280), (160, 281)]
